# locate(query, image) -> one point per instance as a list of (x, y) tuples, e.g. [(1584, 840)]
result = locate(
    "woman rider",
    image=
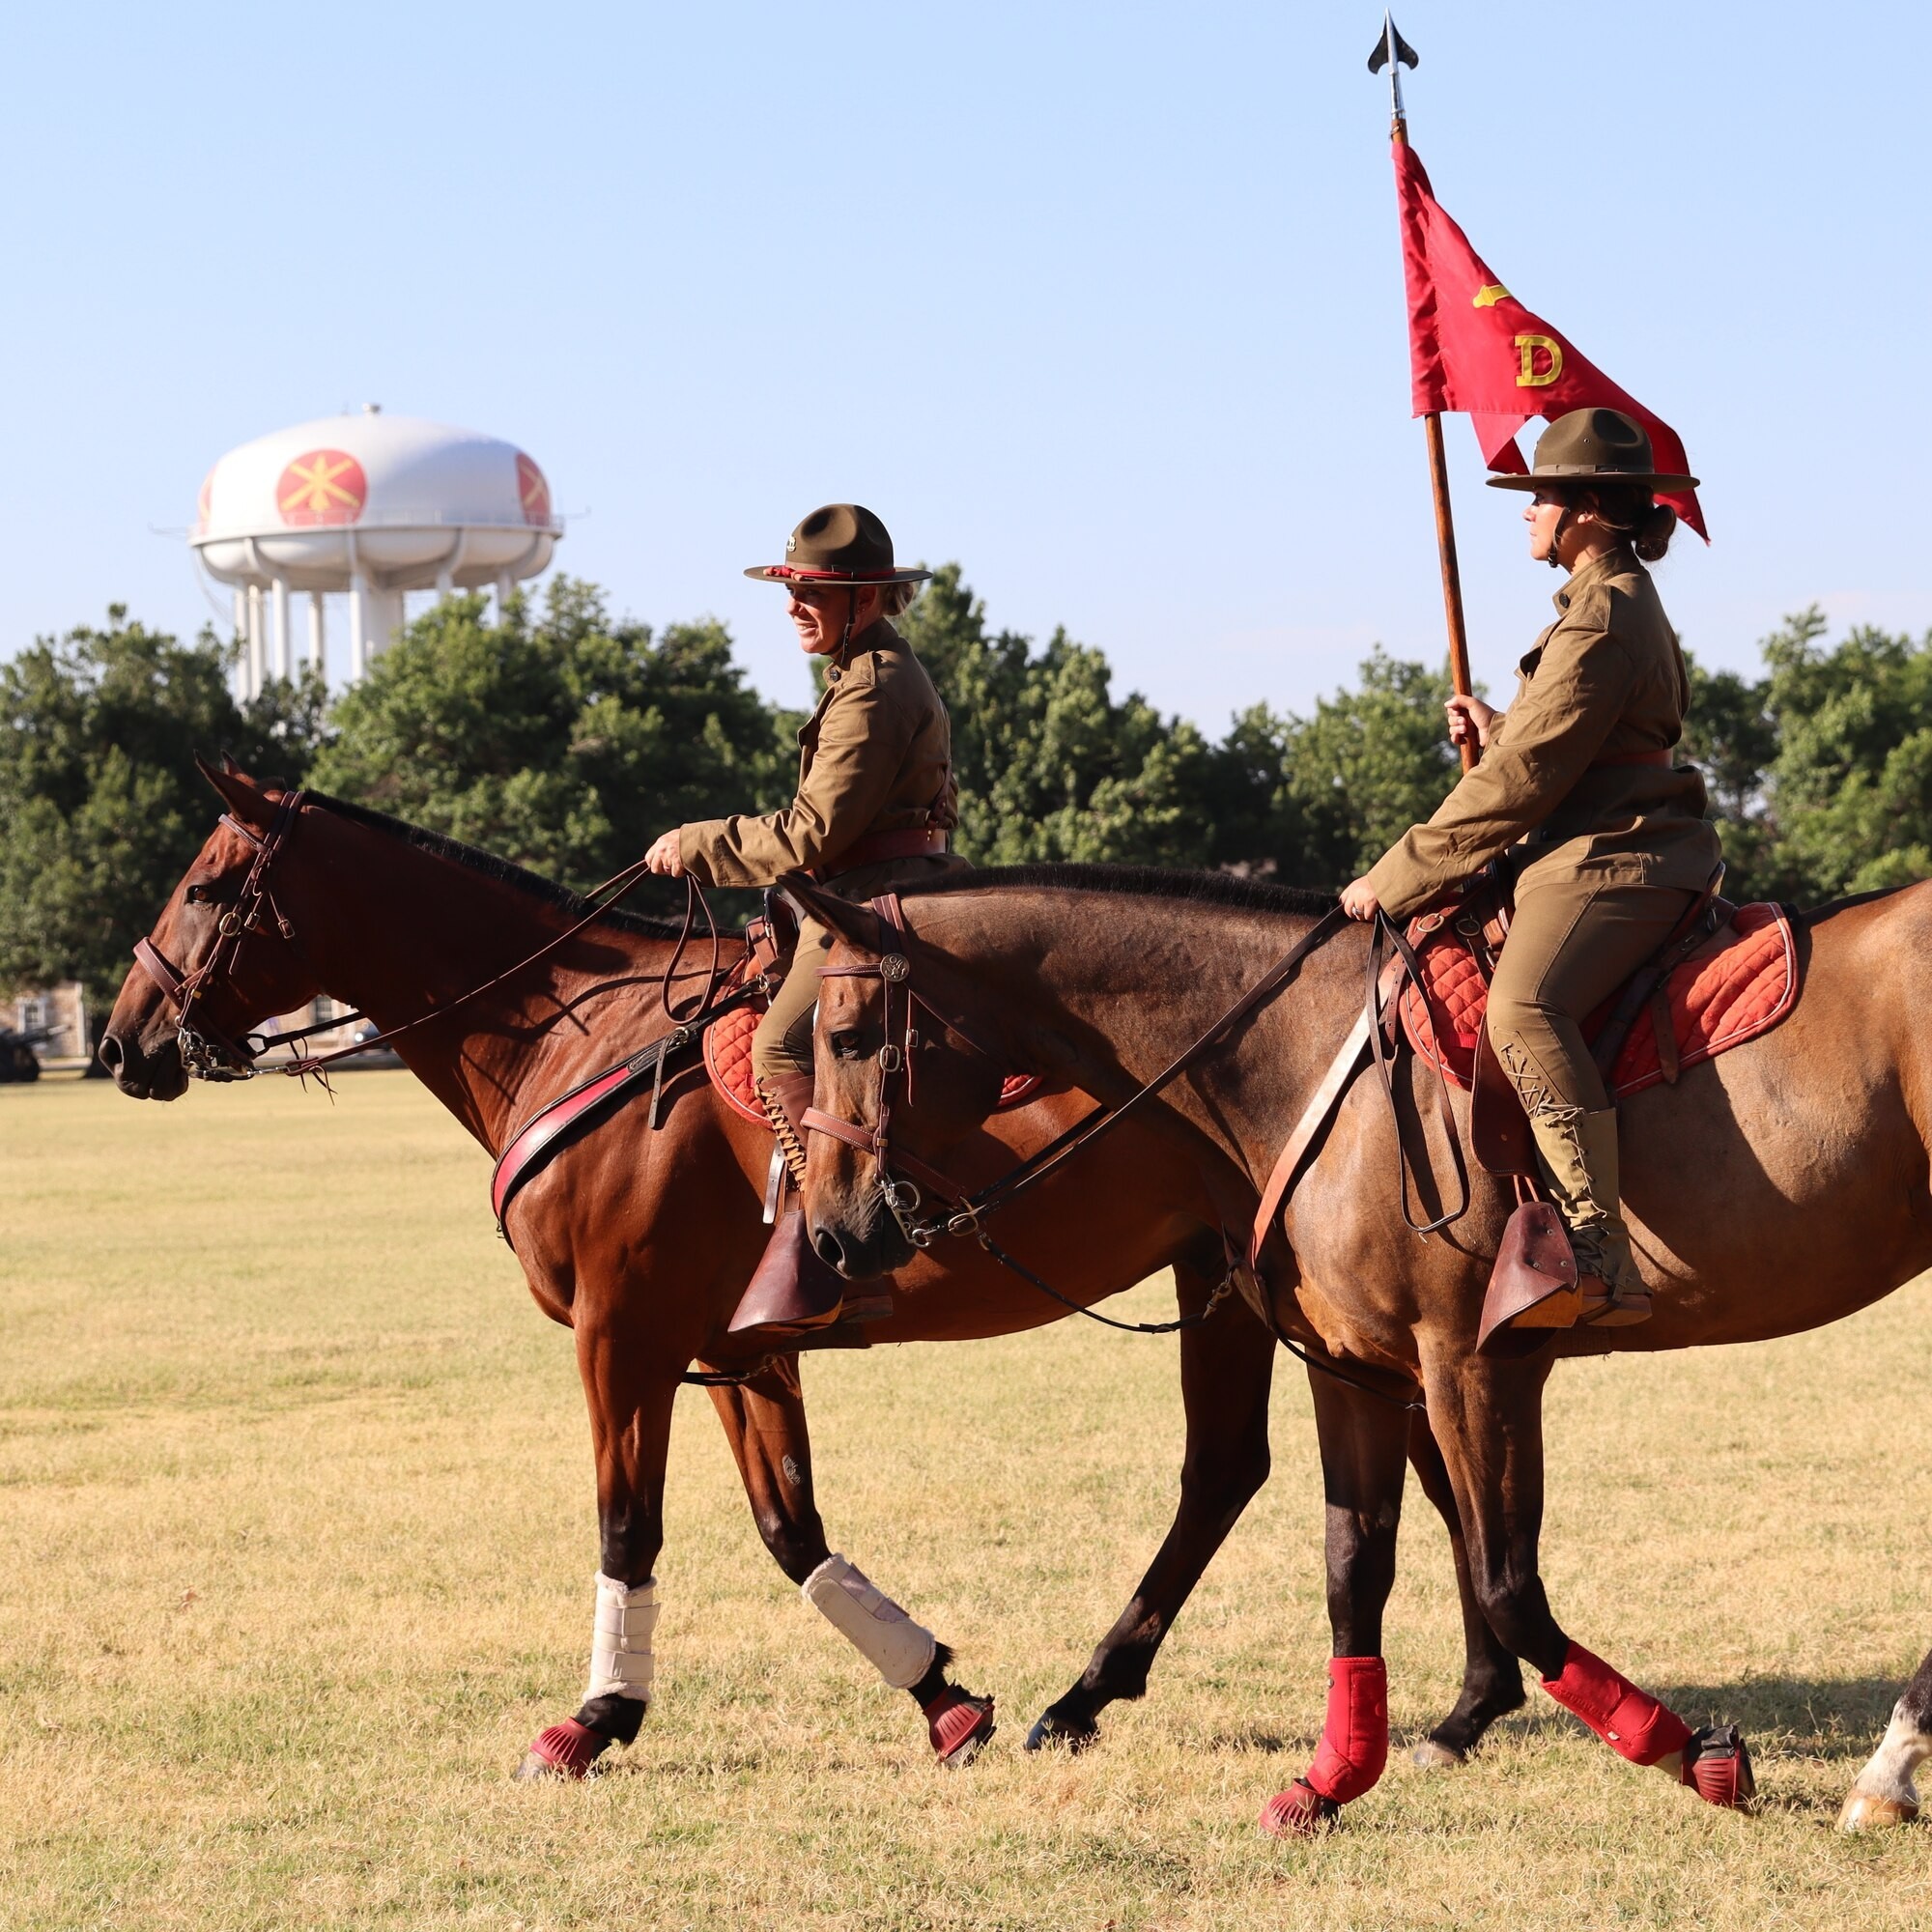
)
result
[(1606, 835), (875, 801)]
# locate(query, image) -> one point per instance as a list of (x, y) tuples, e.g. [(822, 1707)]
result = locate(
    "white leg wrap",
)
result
[(898, 1649), (1889, 1772), (620, 1641)]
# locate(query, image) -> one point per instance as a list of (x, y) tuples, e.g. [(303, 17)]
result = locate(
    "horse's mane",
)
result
[(1224, 889), (502, 872)]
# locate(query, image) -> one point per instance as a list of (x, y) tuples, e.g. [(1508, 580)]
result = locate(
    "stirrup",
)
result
[(1612, 1308)]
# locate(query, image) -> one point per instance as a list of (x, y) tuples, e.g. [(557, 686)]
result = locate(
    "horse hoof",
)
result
[(565, 1751), (1866, 1810), (959, 1726), (1049, 1729), (1717, 1767), (1299, 1812), (1430, 1755)]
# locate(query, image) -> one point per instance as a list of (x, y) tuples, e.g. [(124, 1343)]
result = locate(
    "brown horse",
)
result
[(1777, 1187), (641, 1241)]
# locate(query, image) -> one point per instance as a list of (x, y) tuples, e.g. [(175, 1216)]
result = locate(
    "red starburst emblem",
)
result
[(326, 485), (533, 491), (200, 503)]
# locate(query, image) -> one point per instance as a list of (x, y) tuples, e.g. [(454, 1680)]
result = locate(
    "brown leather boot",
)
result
[(792, 1291), (1578, 1152)]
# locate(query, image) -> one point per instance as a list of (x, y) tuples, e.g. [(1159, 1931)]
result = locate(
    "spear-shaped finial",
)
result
[(1395, 53)]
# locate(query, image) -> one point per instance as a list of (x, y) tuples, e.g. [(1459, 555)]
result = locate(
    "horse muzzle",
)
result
[(153, 1072)]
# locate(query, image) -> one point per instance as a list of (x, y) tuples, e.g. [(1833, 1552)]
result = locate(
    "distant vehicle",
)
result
[(18, 1060)]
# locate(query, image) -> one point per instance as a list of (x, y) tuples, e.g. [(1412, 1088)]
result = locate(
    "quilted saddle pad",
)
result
[(1736, 987), (728, 1059)]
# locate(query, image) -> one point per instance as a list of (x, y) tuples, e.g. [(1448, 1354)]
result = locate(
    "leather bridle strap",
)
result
[(1038, 1165), (895, 969)]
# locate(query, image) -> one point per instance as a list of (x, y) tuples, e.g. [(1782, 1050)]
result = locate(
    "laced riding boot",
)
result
[(1579, 1153), (792, 1291)]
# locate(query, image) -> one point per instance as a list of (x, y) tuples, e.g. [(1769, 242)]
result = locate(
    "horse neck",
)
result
[(1127, 981), (397, 932)]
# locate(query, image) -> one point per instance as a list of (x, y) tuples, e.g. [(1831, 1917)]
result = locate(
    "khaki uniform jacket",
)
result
[(876, 756), (1603, 682)]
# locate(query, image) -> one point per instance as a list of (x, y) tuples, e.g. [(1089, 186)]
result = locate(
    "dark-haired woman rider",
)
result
[(1605, 832)]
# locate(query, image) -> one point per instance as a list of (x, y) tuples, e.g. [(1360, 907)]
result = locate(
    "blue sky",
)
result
[(1103, 301)]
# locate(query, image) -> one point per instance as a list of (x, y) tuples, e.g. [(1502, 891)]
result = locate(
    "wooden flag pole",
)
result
[(1395, 53), (1452, 575)]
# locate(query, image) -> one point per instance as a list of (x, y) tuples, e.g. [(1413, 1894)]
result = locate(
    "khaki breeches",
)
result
[(783, 1042), (1572, 943)]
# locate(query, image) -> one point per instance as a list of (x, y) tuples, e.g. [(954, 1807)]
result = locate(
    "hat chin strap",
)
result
[(1555, 558)]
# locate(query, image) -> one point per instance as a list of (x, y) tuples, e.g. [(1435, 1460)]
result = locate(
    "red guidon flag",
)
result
[(1474, 348)]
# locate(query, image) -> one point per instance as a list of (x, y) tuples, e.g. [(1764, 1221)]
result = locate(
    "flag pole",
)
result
[(1395, 53)]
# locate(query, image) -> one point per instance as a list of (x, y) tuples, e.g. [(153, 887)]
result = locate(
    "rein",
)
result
[(209, 1054), (895, 971), (969, 1211), (901, 1002)]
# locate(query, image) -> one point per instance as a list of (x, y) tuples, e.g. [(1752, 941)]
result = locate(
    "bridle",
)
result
[(904, 1180), (967, 1214), (206, 1052), (210, 1054)]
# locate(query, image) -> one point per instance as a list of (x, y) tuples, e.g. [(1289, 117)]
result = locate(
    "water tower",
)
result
[(371, 506)]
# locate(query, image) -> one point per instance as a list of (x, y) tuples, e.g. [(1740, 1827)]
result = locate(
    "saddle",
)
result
[(1726, 974)]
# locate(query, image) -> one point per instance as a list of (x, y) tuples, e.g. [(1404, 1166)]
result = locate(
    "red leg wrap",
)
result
[(1631, 1721), (1355, 1738)]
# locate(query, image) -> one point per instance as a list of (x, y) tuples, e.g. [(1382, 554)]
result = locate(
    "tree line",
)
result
[(565, 739)]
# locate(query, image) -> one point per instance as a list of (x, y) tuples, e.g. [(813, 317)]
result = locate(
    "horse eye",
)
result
[(845, 1045)]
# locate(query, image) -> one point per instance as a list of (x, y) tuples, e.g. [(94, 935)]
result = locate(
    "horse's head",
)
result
[(909, 1055), (218, 961)]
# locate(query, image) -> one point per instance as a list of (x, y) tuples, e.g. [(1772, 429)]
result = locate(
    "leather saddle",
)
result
[(1499, 1134)]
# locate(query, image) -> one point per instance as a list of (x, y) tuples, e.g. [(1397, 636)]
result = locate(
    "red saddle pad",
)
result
[(728, 1059), (1736, 987)]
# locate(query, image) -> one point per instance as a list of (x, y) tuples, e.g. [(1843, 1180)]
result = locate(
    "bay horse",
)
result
[(641, 1240), (1774, 1188)]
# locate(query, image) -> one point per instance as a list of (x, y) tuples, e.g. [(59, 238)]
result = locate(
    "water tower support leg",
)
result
[(358, 642), (241, 639), (284, 653), (503, 598), (256, 667)]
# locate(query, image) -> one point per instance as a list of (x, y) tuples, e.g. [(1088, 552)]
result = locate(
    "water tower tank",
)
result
[(372, 506)]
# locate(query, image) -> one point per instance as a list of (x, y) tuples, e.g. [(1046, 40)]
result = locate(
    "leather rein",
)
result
[(902, 1175), (210, 1054)]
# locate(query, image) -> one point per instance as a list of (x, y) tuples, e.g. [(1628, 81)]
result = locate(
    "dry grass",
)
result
[(297, 1538)]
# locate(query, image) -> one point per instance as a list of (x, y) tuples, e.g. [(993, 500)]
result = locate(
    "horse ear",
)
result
[(238, 791), (856, 924)]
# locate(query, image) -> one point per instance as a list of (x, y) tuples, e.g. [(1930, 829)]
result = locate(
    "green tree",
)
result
[(1051, 766), (103, 806), (1848, 803), (559, 739)]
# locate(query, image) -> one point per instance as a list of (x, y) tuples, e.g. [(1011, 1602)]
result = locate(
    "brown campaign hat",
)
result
[(1594, 446), (842, 543)]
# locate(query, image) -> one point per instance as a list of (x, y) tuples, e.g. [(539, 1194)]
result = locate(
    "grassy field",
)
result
[(297, 1537)]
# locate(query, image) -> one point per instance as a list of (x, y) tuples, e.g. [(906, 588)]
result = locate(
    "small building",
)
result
[(59, 1013)]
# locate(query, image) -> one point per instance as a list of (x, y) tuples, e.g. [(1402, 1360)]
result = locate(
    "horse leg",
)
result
[(764, 1423), (1364, 1443), (1226, 1366), (1492, 1677), (630, 1396), (1883, 1793), (1487, 1417)]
